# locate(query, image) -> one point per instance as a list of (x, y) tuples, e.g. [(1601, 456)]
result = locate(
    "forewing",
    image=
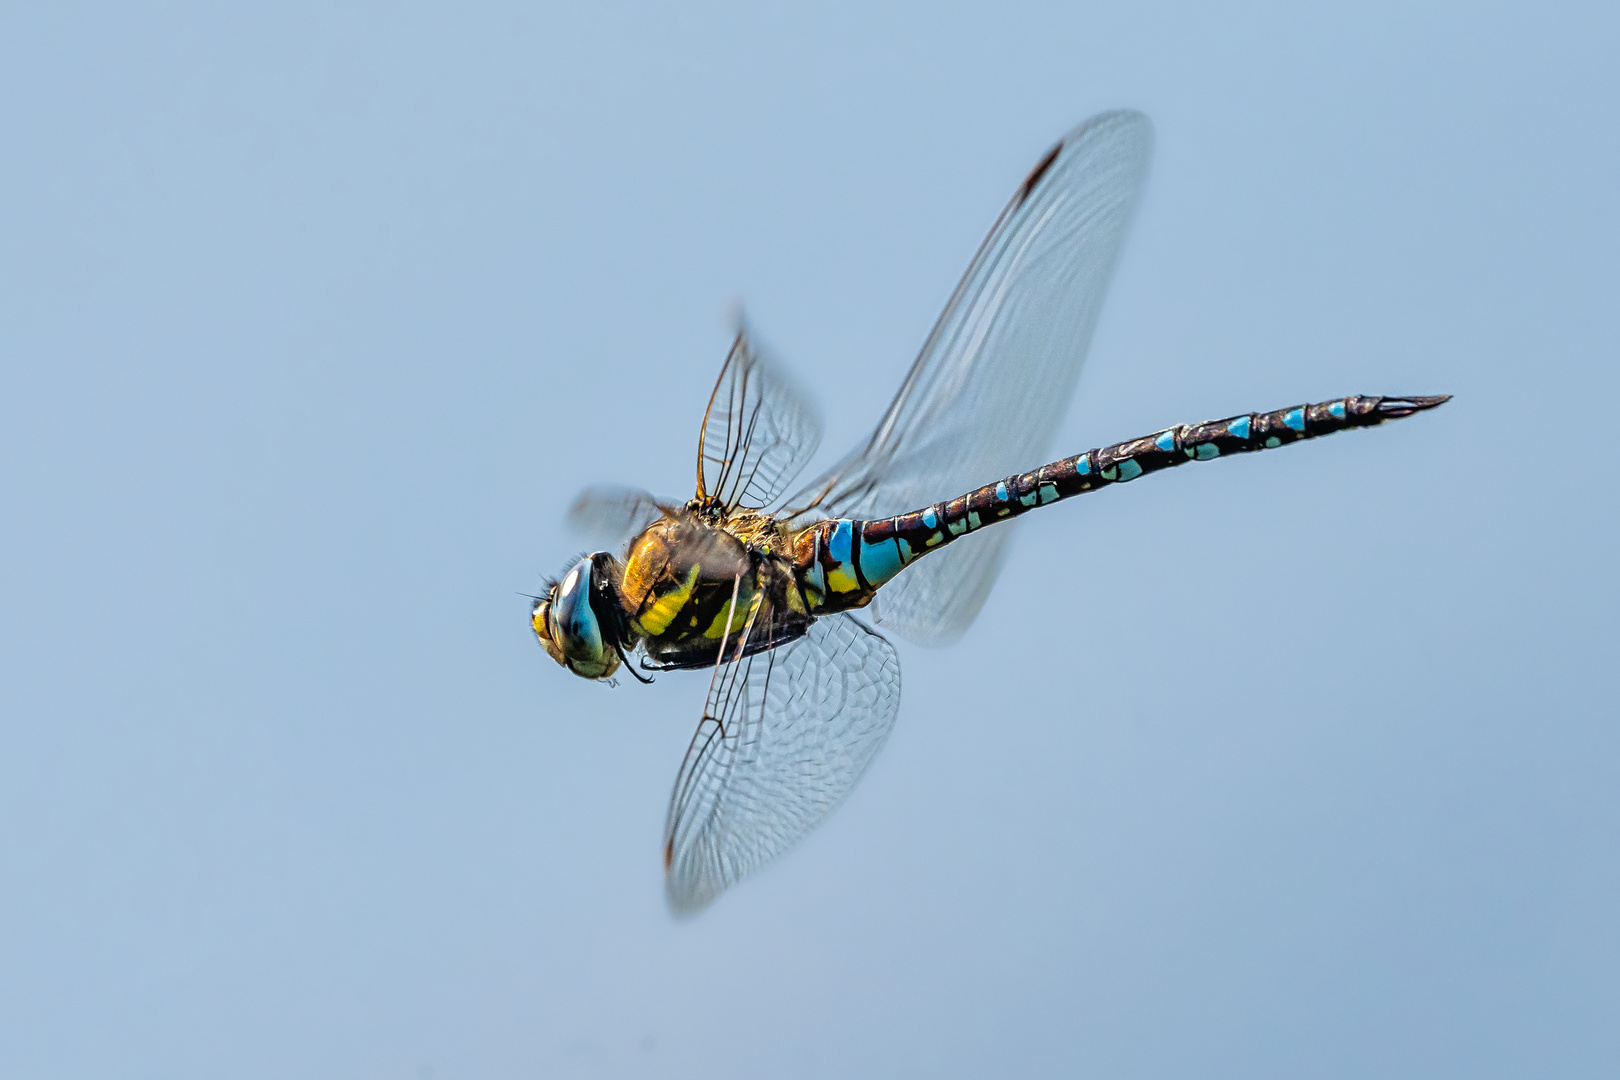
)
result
[(784, 737), (611, 515), (995, 377), (758, 432)]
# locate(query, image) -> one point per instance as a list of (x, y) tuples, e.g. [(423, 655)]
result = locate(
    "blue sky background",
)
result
[(313, 318)]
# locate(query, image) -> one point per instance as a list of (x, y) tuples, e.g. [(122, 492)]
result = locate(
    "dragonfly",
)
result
[(761, 586)]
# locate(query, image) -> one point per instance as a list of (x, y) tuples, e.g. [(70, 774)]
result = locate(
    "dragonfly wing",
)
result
[(784, 737), (985, 396), (611, 515), (759, 431)]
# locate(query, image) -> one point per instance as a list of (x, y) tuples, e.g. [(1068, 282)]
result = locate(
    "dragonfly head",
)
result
[(575, 620)]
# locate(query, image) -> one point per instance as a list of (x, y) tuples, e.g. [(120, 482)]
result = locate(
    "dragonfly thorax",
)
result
[(689, 588)]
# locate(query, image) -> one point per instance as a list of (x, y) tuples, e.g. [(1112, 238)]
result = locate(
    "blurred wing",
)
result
[(758, 431), (785, 735), (996, 375), (612, 516)]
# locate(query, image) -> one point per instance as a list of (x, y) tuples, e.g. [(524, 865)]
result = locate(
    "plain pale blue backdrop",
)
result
[(313, 317)]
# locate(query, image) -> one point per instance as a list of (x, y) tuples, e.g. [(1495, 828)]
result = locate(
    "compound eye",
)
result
[(567, 624), (573, 623), (571, 580)]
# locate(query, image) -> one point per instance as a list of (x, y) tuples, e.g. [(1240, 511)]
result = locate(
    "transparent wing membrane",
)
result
[(784, 737), (611, 516), (985, 396), (759, 431)]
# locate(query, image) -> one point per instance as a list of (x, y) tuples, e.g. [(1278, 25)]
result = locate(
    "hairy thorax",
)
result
[(688, 586)]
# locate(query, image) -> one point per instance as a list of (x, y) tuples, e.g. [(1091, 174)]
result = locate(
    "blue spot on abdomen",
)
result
[(838, 543), (881, 561)]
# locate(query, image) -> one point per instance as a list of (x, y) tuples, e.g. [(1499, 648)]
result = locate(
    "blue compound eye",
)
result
[(573, 633), (567, 621), (573, 622)]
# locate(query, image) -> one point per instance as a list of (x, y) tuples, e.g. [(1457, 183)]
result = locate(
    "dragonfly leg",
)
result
[(731, 613)]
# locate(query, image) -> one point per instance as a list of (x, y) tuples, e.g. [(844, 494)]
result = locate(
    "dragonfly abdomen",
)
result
[(849, 559)]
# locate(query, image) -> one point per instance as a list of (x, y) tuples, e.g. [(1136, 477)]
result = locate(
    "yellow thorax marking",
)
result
[(740, 613), (656, 619)]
